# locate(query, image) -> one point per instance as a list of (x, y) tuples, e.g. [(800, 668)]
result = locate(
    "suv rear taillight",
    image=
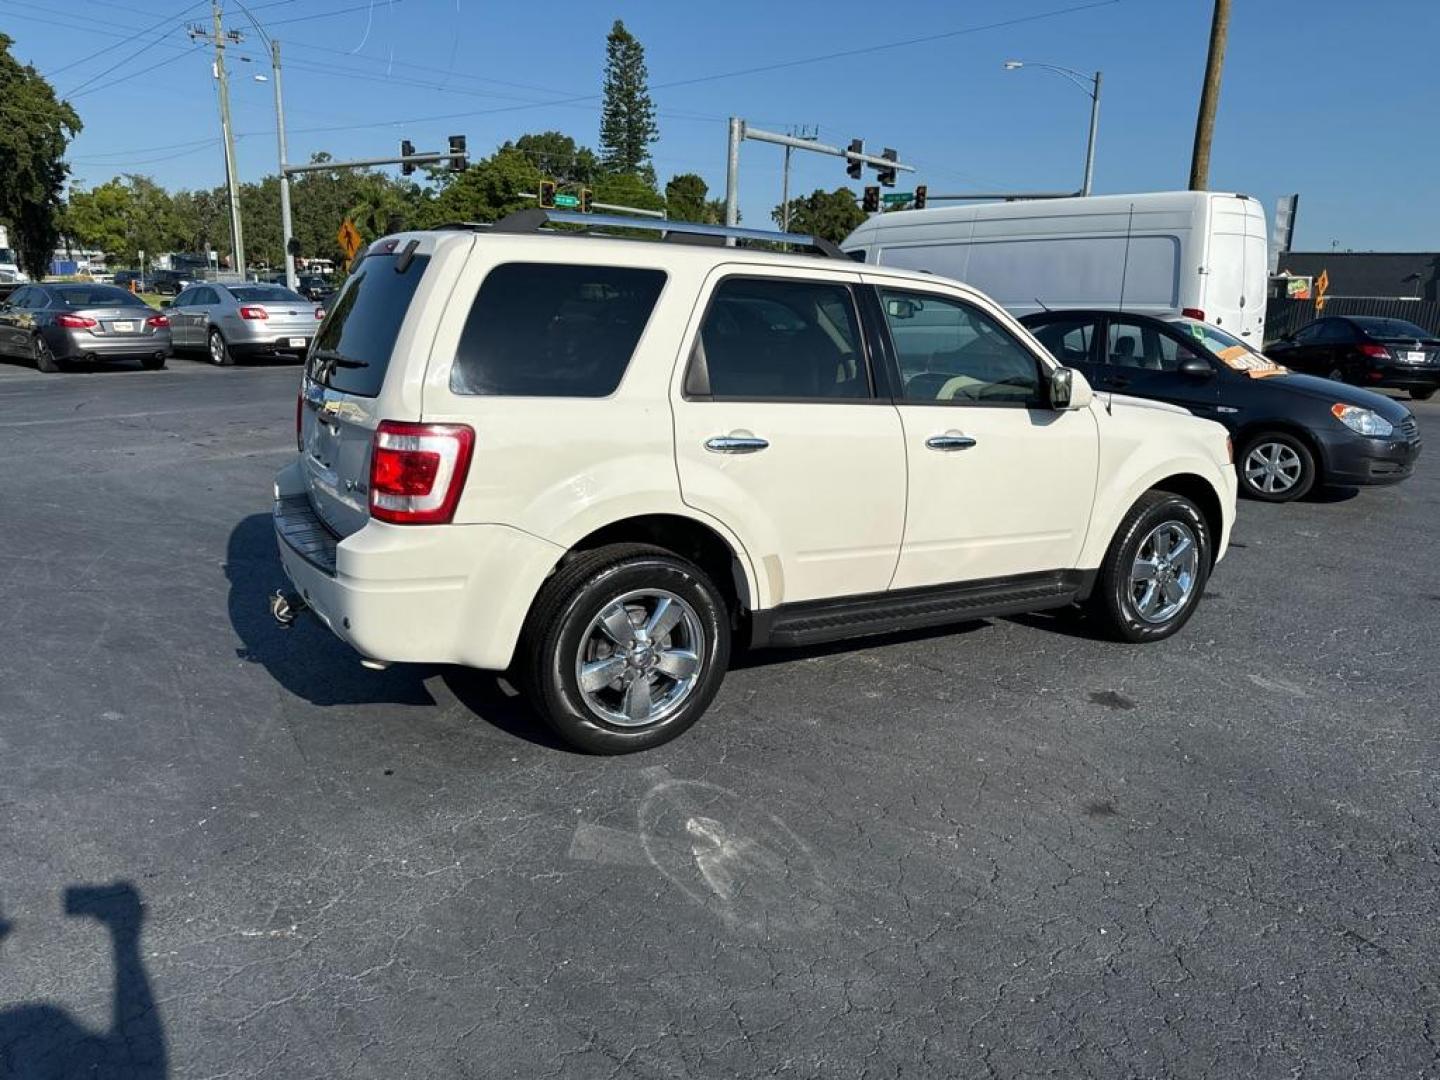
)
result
[(249, 311), (74, 322), (417, 471), (1377, 352)]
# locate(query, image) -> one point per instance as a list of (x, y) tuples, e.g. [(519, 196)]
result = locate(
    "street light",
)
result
[(1088, 83)]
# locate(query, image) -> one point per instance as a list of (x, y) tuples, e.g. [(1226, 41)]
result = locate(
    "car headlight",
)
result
[(1362, 421)]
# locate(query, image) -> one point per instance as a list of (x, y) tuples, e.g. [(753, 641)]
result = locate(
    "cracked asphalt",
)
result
[(1007, 850)]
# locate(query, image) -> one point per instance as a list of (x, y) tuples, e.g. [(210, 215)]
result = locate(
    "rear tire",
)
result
[(1422, 395), (1147, 590), (220, 354), (152, 363), (44, 358), (651, 630), (1277, 461)]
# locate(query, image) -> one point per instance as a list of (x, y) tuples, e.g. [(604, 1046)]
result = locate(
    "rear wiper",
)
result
[(328, 360)]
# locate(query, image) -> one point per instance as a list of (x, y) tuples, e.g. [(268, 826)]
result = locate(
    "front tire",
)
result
[(1275, 467), (625, 648), (220, 354), (1155, 570), (44, 358)]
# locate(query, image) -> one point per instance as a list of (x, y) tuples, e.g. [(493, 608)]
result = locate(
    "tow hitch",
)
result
[(286, 607)]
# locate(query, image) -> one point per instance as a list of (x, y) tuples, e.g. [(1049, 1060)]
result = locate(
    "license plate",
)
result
[(125, 327), (1416, 357), (297, 343)]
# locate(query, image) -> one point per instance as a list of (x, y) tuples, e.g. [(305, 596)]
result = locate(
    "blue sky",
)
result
[(1318, 97)]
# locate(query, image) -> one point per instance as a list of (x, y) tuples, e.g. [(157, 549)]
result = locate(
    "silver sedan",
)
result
[(231, 322), (50, 324)]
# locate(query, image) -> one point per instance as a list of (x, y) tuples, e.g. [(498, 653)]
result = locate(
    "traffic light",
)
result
[(871, 205), (547, 194), (293, 247), (886, 177), (407, 149), (854, 169), (920, 192), (587, 198), (458, 157)]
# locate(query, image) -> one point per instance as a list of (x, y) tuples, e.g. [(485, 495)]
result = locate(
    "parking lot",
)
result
[(1007, 850)]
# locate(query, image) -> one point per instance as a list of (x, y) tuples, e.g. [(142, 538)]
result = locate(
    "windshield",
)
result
[(6, 255), (1229, 349), (260, 295), (88, 296), (1390, 328)]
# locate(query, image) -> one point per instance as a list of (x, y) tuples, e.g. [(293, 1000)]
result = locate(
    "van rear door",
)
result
[(1235, 267)]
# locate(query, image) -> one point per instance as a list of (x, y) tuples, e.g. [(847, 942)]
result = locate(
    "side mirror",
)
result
[(1069, 390), (1196, 368)]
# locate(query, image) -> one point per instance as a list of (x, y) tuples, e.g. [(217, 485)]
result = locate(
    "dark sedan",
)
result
[(1291, 432), (1366, 350), (50, 324)]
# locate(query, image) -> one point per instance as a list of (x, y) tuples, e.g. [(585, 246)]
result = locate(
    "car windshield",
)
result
[(1390, 328), (88, 296), (1228, 349), (260, 294)]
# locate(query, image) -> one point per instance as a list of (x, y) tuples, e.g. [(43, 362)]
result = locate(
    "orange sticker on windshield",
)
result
[(1251, 363)]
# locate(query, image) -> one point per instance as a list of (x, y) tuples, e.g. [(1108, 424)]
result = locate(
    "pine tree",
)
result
[(627, 121)]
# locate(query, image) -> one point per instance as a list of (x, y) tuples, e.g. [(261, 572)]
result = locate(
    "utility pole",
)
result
[(291, 281), (1209, 97), (237, 238), (1094, 130), (803, 133)]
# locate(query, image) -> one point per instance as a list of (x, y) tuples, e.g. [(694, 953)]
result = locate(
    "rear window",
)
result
[(354, 343), (258, 295), (552, 330), (1390, 328), (85, 296)]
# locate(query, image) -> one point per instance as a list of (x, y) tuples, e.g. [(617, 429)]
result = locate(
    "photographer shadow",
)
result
[(40, 1041)]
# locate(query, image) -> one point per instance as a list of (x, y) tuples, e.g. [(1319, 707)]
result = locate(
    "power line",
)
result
[(139, 33)]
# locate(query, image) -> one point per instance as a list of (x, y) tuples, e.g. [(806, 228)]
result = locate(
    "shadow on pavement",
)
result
[(40, 1040)]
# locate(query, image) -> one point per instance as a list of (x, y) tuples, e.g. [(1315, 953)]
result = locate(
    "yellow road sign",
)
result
[(349, 238), (1322, 286)]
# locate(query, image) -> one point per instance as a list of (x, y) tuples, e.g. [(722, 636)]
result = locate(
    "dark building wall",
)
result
[(1371, 273)]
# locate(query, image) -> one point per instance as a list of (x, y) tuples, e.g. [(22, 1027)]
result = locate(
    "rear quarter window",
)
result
[(353, 345), (554, 329)]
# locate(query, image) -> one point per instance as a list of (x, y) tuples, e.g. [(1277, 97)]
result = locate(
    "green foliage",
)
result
[(685, 199), (35, 128), (627, 118), (487, 191), (832, 215), (628, 189), (122, 217), (558, 157)]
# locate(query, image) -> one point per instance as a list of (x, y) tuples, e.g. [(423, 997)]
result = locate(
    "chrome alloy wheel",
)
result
[(1272, 467), (640, 658), (1164, 573)]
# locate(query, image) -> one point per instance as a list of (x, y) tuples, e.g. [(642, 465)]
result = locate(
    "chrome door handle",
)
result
[(950, 441), (735, 444)]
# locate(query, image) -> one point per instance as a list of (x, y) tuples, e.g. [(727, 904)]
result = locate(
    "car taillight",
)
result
[(74, 322), (1378, 352), (251, 312), (1198, 314), (319, 313), (417, 471), (158, 321)]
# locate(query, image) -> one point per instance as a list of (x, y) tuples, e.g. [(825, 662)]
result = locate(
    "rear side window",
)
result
[(353, 346), (554, 330)]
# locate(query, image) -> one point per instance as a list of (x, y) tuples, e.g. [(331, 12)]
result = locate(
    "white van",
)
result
[(1198, 253)]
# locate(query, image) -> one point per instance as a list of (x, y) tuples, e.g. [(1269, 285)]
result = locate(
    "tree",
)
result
[(628, 189), (35, 128), (685, 199), (558, 157), (122, 217), (491, 188), (627, 118), (832, 215)]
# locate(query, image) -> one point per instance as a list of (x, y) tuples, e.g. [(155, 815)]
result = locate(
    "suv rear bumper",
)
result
[(446, 594)]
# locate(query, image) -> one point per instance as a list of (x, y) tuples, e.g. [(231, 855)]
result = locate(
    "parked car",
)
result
[(170, 282), (315, 287), (1366, 350), (124, 278), (242, 321), (1196, 253), (602, 460), (1291, 431), (51, 324)]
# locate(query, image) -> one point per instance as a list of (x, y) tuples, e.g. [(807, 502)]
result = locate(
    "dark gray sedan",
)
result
[(50, 324)]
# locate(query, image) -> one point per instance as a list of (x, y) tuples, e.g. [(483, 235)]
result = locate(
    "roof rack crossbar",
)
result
[(534, 219)]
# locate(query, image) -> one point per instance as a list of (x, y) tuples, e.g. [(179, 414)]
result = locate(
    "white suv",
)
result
[(599, 461)]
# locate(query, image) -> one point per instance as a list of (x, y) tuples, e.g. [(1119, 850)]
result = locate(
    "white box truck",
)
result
[(1200, 253)]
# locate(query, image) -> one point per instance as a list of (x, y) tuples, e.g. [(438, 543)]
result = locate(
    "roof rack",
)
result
[(534, 220)]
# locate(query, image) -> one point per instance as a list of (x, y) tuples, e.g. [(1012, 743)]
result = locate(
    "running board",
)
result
[(813, 622)]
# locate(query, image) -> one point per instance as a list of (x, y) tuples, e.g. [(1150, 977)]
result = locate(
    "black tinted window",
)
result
[(550, 330), (354, 343), (259, 294), (85, 296), (1391, 328), (774, 338), (1069, 340)]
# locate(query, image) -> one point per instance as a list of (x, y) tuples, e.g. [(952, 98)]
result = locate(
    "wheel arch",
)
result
[(1203, 494), (1249, 432)]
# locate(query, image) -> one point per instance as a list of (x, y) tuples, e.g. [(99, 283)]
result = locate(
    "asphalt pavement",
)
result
[(1006, 850)]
